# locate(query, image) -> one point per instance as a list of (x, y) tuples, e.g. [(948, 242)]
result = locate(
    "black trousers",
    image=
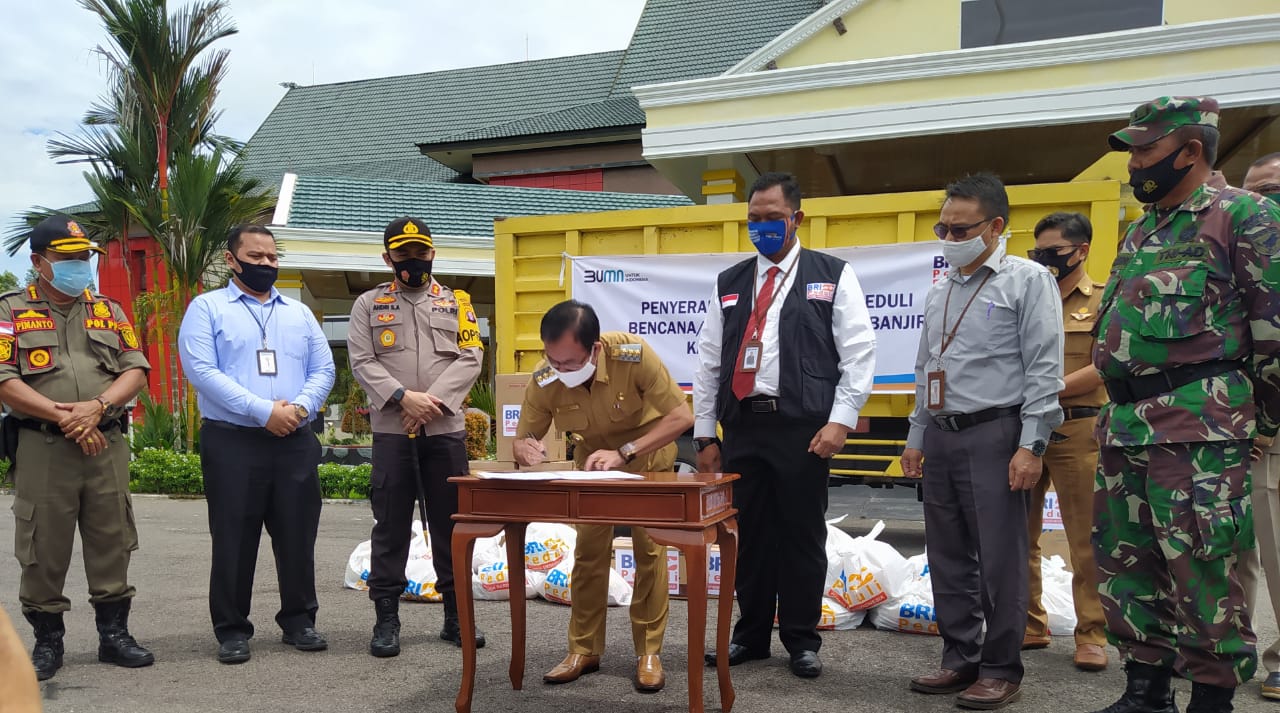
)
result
[(393, 495), (782, 505), (251, 479), (976, 535)]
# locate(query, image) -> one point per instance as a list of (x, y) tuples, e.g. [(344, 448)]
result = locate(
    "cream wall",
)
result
[(893, 28)]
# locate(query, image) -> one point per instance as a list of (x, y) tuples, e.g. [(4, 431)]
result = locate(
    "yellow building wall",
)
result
[(1040, 79), (893, 28), (882, 28)]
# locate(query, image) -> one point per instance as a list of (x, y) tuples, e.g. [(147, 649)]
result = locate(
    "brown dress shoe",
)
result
[(943, 681), (1034, 641), (1090, 657), (649, 677), (989, 694), (573, 666)]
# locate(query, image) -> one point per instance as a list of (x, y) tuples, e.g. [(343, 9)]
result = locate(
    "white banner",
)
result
[(665, 298)]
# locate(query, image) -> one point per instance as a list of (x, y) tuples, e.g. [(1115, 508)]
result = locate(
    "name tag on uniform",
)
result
[(935, 389), (267, 362), (751, 357)]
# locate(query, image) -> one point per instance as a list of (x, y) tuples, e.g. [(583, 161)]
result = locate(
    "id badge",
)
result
[(751, 357), (267, 362), (936, 384)]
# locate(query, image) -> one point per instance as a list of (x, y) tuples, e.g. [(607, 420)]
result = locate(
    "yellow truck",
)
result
[(539, 260)]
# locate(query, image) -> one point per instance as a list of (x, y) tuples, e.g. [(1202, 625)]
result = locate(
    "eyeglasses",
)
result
[(956, 231), (567, 366), (1055, 251)]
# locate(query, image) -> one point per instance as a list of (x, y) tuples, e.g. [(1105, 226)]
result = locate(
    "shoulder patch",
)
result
[(545, 376), (626, 352)]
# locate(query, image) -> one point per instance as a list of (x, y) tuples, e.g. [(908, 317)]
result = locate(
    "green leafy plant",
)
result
[(159, 470), (355, 412), (345, 481), (481, 397), (158, 429)]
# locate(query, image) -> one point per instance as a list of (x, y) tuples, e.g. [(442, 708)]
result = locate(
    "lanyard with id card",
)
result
[(266, 356), (936, 381), (753, 348)]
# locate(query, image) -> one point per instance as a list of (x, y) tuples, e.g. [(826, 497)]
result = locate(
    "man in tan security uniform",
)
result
[(1071, 461), (415, 347), (69, 361), (615, 396)]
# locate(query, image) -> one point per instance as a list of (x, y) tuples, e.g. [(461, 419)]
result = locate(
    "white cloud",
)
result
[(49, 75)]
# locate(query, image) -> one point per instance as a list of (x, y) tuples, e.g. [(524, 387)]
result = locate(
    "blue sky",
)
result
[(49, 74)]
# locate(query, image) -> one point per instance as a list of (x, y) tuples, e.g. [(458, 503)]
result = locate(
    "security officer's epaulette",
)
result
[(626, 352), (13, 293), (544, 376)]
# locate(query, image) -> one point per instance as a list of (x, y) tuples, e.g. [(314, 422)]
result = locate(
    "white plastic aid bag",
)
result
[(911, 612), (1056, 596), (547, 545), (420, 570), (492, 582), (558, 586), (863, 572), (357, 576), (836, 618)]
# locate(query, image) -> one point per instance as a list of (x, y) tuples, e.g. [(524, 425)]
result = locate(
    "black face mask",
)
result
[(1056, 263), (418, 272), (1154, 182), (258, 278)]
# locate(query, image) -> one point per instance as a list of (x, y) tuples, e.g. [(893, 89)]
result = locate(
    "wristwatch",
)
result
[(701, 443), (397, 396), (301, 411), (1037, 448), (628, 451)]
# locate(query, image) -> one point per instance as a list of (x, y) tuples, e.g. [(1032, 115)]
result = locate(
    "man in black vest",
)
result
[(784, 364)]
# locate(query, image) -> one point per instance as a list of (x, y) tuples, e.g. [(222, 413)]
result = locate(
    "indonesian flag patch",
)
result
[(727, 301)]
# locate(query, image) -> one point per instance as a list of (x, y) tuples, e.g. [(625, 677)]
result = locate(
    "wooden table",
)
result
[(684, 510)]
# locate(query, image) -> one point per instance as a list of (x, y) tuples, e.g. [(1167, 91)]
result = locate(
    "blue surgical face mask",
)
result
[(70, 277), (768, 235)]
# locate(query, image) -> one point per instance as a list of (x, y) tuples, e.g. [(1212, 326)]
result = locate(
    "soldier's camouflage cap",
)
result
[(1154, 120)]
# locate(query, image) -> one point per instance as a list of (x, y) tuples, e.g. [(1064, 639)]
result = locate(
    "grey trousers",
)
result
[(976, 536), (1266, 556)]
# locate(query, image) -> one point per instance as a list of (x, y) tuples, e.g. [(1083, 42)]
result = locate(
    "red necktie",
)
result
[(744, 382)]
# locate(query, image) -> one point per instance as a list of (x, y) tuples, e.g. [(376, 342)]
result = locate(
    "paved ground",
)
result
[(866, 670)]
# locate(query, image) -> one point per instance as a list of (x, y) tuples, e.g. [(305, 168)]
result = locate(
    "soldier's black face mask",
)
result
[(1154, 182), (413, 273)]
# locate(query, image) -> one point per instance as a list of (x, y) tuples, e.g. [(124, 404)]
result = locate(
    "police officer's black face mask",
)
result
[(412, 273)]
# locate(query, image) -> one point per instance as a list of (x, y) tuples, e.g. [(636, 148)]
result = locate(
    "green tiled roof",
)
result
[(371, 128), (449, 208), (618, 112)]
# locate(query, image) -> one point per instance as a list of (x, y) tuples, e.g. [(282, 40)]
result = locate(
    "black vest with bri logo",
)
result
[(808, 363)]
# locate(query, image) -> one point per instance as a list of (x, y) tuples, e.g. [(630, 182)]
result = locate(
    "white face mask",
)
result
[(963, 253), (579, 377)]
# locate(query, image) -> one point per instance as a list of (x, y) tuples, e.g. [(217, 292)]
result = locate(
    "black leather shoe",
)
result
[(1271, 686), (386, 631), (806, 664), (306, 640), (233, 651), (738, 654)]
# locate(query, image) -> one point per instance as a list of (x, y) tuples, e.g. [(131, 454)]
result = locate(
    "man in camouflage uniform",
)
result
[(1189, 348), (69, 361)]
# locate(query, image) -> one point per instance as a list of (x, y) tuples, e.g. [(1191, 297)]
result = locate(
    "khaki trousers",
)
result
[(1070, 467), (1266, 556)]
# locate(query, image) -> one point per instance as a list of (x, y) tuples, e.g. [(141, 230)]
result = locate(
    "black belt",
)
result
[(256, 430), (961, 421), (760, 404), (1138, 388), (50, 428), (1071, 413)]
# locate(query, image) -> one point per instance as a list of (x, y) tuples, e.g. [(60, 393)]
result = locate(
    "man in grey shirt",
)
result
[(988, 375)]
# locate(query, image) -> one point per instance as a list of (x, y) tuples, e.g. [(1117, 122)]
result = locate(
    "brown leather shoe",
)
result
[(573, 666), (649, 677), (1090, 657), (989, 694), (943, 681), (1034, 641)]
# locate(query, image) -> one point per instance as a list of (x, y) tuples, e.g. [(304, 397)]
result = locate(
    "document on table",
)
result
[(559, 475)]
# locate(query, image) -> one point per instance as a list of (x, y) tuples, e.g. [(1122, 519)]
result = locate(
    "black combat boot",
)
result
[(46, 656), (451, 631), (386, 630), (1210, 699), (1148, 691), (115, 644)]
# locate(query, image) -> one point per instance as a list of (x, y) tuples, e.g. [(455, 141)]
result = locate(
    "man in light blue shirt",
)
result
[(262, 369)]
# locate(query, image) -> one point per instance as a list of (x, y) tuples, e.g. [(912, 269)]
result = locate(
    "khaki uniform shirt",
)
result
[(421, 341), (630, 392), (1079, 314), (66, 355)]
